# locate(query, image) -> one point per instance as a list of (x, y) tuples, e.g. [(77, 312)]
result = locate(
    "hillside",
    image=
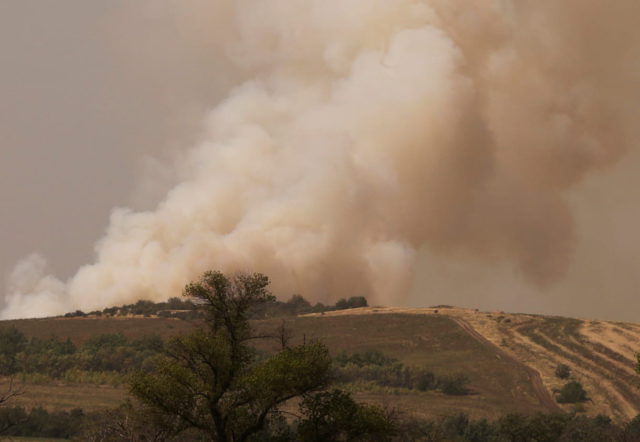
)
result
[(509, 359), (601, 354)]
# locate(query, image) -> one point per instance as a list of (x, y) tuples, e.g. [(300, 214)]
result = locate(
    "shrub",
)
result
[(632, 428), (386, 371), (372, 357), (454, 384), (76, 314), (563, 371), (572, 393)]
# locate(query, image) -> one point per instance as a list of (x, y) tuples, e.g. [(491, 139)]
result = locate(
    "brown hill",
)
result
[(510, 359), (601, 354)]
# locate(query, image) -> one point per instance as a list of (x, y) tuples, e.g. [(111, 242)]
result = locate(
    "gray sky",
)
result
[(92, 91), (88, 90)]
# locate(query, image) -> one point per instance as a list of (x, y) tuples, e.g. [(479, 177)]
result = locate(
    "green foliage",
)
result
[(11, 417), (40, 422), (454, 384), (214, 382), (103, 359), (374, 366), (325, 416), (335, 416), (174, 307), (298, 304), (478, 431), (517, 427), (353, 302), (12, 342), (187, 309), (571, 393), (591, 429), (396, 375), (372, 357), (563, 371), (211, 379)]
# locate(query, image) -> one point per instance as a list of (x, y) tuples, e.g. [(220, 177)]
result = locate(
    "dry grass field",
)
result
[(601, 354), (61, 396), (81, 329), (438, 343)]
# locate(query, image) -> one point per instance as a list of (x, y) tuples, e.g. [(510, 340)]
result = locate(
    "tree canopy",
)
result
[(213, 380)]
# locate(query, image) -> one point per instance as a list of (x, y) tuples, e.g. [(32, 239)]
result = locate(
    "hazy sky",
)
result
[(89, 90), (94, 94)]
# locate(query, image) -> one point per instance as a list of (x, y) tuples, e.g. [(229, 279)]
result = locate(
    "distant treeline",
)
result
[(381, 370), (103, 359), (571, 427), (186, 309)]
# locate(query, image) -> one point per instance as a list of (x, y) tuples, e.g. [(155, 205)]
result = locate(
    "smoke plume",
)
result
[(363, 131)]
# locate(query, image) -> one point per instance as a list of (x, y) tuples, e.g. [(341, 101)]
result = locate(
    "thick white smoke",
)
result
[(370, 129)]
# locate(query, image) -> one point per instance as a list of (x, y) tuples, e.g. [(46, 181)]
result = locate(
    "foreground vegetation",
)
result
[(458, 427), (103, 359), (376, 368)]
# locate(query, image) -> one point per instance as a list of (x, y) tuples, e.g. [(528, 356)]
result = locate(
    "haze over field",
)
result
[(417, 152)]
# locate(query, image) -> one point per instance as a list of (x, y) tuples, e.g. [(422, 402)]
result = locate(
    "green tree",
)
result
[(297, 304), (353, 302), (212, 379), (335, 416)]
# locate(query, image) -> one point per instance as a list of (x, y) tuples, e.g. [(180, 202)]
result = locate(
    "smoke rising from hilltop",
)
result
[(364, 131)]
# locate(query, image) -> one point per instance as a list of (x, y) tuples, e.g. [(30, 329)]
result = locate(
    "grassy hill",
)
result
[(509, 359)]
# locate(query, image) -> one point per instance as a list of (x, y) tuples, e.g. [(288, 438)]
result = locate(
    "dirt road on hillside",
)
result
[(541, 392)]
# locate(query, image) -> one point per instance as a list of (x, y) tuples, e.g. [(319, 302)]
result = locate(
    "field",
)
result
[(81, 329), (68, 396), (510, 359), (437, 343), (601, 354)]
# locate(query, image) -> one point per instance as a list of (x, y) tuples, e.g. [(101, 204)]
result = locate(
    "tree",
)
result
[(353, 302), (335, 416), (297, 304), (212, 379)]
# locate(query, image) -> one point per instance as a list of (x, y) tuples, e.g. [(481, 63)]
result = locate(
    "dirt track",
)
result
[(536, 381)]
